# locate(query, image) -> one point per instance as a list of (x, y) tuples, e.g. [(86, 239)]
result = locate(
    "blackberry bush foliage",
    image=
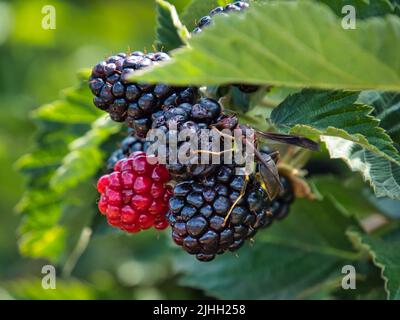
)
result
[(210, 209)]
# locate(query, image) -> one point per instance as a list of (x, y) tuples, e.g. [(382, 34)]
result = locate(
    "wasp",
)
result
[(266, 162)]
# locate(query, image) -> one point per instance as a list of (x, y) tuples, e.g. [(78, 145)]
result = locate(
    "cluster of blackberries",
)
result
[(212, 208), (127, 101)]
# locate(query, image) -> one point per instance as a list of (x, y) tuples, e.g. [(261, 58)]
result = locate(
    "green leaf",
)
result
[(386, 256), (171, 33), (364, 8), (348, 199), (75, 107), (43, 243), (387, 110), (334, 114), (85, 157), (196, 9), (31, 288), (295, 44), (41, 158), (287, 261), (387, 206), (63, 111), (44, 231), (382, 174)]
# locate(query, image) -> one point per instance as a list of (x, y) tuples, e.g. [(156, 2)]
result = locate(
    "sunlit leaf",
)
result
[(171, 33), (288, 43)]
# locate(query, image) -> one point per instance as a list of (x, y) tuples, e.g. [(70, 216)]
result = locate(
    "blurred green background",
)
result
[(35, 65)]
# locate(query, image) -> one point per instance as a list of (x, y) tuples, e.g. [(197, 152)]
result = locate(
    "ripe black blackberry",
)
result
[(280, 206), (192, 118), (231, 7), (128, 145), (198, 209), (128, 101)]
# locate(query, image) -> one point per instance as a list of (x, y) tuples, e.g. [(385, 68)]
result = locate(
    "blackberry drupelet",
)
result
[(127, 101), (231, 7), (198, 208), (280, 206), (128, 145), (192, 118)]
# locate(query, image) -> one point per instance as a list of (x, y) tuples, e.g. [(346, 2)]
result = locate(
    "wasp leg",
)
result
[(216, 153), (223, 134), (242, 193)]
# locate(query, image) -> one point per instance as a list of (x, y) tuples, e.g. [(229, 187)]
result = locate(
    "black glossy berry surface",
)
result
[(131, 102), (231, 7), (280, 206), (190, 118), (198, 209)]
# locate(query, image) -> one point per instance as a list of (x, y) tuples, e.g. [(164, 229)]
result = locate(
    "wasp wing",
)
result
[(291, 139)]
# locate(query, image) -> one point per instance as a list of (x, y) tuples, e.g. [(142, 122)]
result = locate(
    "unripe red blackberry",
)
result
[(198, 209), (135, 196), (128, 101)]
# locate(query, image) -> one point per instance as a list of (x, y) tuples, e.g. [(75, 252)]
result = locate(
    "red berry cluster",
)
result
[(134, 196)]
